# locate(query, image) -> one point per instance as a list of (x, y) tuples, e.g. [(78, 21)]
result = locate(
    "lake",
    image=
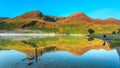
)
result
[(56, 52)]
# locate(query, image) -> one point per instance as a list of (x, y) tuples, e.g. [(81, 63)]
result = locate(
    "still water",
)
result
[(62, 59), (56, 52)]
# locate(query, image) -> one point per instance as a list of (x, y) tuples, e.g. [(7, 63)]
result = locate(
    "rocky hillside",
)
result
[(72, 19), (81, 17), (75, 23), (39, 15)]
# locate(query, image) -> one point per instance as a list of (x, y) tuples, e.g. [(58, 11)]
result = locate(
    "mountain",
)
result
[(39, 15), (3, 18), (32, 14), (112, 21), (77, 18), (75, 23), (72, 19), (81, 17)]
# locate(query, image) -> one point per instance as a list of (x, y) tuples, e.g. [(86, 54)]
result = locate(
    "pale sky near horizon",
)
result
[(93, 8)]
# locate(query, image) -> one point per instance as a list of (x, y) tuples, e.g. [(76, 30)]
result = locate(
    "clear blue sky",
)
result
[(93, 8)]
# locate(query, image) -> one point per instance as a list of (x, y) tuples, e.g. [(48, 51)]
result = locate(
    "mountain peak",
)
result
[(32, 14), (78, 14), (40, 15)]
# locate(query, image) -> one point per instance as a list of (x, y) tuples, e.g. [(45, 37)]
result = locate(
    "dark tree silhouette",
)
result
[(113, 32), (91, 31)]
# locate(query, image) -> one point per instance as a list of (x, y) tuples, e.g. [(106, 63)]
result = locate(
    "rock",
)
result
[(29, 62), (30, 57)]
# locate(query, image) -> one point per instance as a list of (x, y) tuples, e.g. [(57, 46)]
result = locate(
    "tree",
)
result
[(91, 31), (113, 32)]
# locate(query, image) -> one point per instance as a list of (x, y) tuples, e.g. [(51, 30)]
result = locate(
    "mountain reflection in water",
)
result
[(57, 52), (62, 59)]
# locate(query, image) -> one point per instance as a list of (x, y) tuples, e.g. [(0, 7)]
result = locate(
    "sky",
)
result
[(93, 8)]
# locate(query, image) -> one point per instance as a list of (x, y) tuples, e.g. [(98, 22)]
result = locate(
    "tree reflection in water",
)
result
[(101, 37), (30, 58)]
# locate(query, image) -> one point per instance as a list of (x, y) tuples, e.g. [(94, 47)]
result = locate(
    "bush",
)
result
[(113, 32), (91, 31)]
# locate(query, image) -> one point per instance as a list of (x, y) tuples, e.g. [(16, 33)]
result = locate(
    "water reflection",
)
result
[(38, 53), (111, 40), (103, 37), (118, 51), (93, 58), (59, 52)]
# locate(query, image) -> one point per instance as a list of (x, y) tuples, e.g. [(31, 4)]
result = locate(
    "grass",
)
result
[(6, 26), (78, 28)]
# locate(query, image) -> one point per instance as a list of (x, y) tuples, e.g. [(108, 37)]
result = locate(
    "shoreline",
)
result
[(38, 34)]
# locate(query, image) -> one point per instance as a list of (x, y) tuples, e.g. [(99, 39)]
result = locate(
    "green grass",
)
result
[(6, 26)]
